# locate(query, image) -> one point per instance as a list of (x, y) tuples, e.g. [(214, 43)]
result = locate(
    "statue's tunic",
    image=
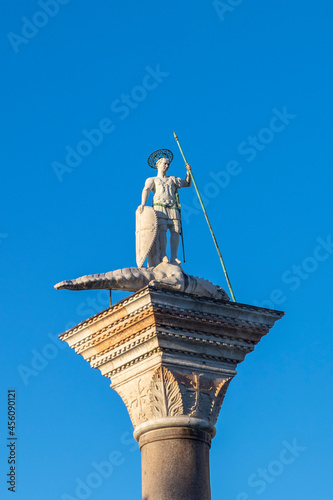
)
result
[(165, 190)]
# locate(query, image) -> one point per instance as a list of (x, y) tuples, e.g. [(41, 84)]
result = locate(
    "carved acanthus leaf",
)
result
[(219, 395), (165, 396)]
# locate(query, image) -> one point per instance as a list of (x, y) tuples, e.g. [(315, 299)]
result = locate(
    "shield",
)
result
[(145, 234)]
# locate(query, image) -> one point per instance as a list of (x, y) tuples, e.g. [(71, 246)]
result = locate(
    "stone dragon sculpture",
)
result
[(132, 279)]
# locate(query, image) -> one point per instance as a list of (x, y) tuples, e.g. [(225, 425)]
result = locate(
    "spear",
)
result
[(208, 222)]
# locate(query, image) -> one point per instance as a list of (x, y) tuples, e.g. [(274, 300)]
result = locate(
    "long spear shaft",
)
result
[(181, 225), (208, 222)]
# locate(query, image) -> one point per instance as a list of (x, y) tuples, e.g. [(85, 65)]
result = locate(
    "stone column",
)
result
[(171, 356), (175, 463)]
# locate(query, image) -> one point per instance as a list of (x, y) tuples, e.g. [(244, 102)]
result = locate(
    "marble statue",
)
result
[(167, 210), (152, 224)]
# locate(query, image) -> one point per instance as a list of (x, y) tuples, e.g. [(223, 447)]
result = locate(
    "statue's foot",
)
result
[(176, 261), (165, 259)]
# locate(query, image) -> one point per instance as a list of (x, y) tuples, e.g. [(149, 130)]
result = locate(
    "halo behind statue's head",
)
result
[(157, 155)]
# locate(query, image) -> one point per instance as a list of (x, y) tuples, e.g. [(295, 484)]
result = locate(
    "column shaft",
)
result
[(175, 464)]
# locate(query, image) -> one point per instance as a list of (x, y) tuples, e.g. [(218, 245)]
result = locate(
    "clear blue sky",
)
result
[(249, 92)]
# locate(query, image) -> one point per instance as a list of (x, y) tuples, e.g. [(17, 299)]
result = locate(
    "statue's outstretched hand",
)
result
[(188, 167)]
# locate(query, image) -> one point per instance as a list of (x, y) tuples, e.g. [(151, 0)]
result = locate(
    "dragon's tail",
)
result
[(130, 279)]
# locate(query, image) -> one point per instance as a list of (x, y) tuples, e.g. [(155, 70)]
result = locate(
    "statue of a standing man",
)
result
[(166, 207)]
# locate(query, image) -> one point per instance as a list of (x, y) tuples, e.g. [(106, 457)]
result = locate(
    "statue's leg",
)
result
[(162, 237), (174, 241)]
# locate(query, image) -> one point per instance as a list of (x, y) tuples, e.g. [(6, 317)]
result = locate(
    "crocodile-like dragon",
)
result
[(132, 279)]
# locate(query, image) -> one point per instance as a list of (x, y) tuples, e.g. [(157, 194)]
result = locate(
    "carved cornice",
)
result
[(194, 337), (121, 342), (96, 362), (134, 361), (156, 321), (270, 314), (103, 314), (119, 326), (121, 330)]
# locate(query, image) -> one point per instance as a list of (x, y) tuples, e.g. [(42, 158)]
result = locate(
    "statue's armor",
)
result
[(165, 201), (168, 216)]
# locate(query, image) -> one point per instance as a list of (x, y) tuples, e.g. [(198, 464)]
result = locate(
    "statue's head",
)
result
[(161, 154), (163, 165)]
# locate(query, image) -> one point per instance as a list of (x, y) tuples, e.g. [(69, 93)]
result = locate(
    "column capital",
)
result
[(171, 355)]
